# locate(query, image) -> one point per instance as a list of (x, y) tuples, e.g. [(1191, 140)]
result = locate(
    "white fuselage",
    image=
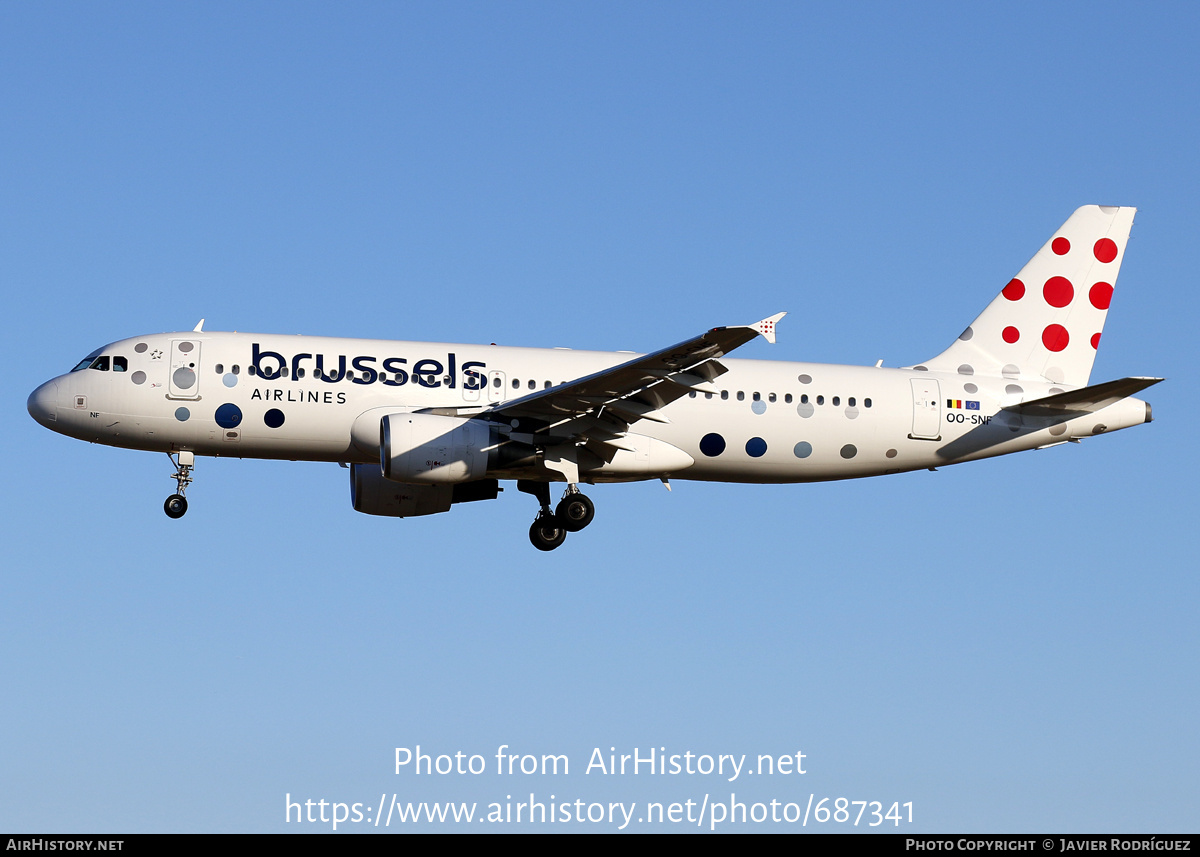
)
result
[(320, 399)]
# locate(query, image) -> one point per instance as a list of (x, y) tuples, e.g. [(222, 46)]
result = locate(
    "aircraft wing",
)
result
[(607, 402), (1084, 400)]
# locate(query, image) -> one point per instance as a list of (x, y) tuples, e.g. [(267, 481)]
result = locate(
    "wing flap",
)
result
[(639, 388)]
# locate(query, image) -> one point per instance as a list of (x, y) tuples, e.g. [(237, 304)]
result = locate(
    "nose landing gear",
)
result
[(549, 529), (176, 505)]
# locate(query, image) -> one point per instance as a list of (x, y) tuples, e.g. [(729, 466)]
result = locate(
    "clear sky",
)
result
[(1010, 645)]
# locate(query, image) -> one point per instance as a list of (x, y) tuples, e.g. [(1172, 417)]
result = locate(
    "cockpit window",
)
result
[(120, 364), (87, 361), (100, 363)]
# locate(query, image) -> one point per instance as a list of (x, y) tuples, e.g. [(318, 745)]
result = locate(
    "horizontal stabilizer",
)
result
[(1084, 400)]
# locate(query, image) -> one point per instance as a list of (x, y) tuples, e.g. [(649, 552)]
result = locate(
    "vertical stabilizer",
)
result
[(1047, 321)]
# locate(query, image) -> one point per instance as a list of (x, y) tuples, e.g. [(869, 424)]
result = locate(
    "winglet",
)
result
[(767, 326)]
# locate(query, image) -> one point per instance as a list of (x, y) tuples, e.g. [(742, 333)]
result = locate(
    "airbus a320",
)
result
[(423, 426)]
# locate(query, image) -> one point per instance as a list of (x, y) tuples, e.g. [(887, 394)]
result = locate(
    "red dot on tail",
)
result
[(1095, 340), (1058, 291), (1055, 337), (1015, 290), (1011, 334), (1060, 246), (1101, 295), (1105, 250)]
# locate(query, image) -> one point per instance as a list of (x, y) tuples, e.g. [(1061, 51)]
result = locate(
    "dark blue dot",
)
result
[(273, 418), (229, 416), (756, 447), (182, 414), (712, 445)]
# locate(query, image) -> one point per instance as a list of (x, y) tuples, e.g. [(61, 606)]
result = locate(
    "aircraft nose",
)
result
[(43, 403)]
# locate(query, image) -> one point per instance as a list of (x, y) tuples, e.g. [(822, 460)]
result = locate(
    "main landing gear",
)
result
[(176, 505), (549, 529)]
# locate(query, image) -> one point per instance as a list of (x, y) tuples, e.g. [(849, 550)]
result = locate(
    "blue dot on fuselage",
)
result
[(228, 416), (273, 418), (756, 447), (712, 445)]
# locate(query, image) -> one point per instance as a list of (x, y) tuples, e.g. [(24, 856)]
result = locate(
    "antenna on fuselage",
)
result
[(199, 327)]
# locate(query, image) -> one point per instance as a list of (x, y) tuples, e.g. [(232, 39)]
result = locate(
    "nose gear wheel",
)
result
[(176, 505)]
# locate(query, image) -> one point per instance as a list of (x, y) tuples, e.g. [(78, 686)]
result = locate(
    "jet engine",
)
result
[(427, 448), (431, 449), (372, 494)]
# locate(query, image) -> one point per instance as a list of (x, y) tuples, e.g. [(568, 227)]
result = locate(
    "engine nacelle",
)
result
[(432, 449), (372, 494)]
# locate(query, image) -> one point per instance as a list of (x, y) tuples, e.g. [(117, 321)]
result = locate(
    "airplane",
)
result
[(423, 426)]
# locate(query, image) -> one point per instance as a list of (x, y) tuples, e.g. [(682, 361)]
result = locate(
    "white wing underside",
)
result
[(596, 410)]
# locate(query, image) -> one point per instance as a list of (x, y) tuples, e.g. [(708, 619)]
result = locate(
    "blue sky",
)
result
[(1010, 645)]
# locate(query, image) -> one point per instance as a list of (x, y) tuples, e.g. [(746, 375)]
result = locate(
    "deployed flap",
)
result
[(657, 379), (1084, 400)]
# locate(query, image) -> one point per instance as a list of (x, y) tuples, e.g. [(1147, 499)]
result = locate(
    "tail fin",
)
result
[(1047, 321)]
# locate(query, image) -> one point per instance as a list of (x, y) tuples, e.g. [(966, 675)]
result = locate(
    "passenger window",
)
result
[(867, 403), (250, 370), (235, 369), (850, 402), (708, 395), (837, 400), (120, 364), (724, 395), (516, 384), (757, 397), (220, 367), (741, 396), (771, 398), (804, 399), (788, 398), (299, 372), (532, 384), (496, 382), (692, 394), (820, 400)]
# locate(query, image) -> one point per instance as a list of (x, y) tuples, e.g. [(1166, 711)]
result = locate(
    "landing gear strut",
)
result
[(549, 529), (176, 505)]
